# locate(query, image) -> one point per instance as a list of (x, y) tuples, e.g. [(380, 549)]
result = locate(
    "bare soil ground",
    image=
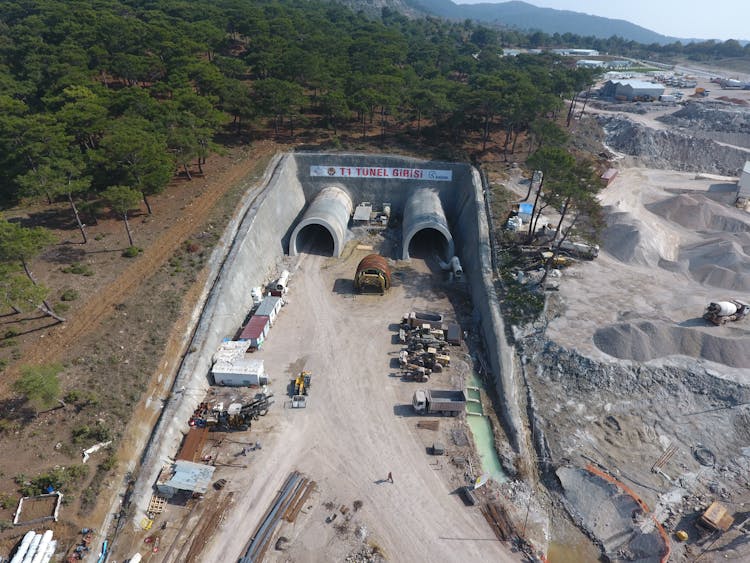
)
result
[(358, 427), (123, 333)]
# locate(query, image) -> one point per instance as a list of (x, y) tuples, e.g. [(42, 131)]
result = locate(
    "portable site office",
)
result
[(269, 307)]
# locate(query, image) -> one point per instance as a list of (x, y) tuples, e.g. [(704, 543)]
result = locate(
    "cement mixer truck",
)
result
[(720, 312)]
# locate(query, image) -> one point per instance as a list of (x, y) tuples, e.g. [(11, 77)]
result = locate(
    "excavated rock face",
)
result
[(723, 122), (711, 117), (671, 150)]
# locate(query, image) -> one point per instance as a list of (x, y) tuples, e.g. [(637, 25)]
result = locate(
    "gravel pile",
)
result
[(718, 263), (698, 213), (710, 116), (648, 340), (580, 375), (671, 150), (628, 239)]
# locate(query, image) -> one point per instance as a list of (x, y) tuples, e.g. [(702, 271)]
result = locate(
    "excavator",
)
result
[(721, 312)]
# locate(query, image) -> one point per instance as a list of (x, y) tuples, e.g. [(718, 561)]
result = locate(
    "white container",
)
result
[(282, 281), (23, 549)]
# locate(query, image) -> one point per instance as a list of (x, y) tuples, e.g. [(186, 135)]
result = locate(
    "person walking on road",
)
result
[(390, 477)]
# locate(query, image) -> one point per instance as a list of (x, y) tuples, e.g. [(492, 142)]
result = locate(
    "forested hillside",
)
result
[(102, 103)]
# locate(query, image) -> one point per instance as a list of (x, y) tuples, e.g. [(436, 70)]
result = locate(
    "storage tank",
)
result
[(282, 281), (723, 308), (24, 547), (373, 275)]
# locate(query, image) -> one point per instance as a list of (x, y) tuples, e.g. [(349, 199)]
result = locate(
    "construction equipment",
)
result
[(299, 402), (237, 416), (416, 319), (448, 402), (302, 383), (720, 312), (416, 373), (373, 275)]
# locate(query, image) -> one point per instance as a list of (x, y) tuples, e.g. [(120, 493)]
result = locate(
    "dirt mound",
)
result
[(649, 340), (635, 242), (698, 213), (723, 117), (671, 150), (718, 263)]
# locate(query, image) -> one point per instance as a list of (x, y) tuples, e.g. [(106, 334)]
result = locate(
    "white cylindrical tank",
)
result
[(23, 549), (135, 559), (283, 281), (32, 548), (724, 308), (50, 551), (458, 271), (41, 550)]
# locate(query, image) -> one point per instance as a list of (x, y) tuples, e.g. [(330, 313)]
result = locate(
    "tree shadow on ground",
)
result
[(16, 409), (64, 254), (54, 218)]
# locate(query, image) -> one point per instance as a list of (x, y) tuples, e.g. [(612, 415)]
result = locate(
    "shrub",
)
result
[(40, 385), (86, 434), (7, 501), (131, 252), (11, 332), (78, 269), (69, 295), (60, 479)]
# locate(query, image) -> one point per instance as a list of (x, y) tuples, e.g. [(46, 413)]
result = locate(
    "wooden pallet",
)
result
[(429, 424), (156, 504), (498, 520)]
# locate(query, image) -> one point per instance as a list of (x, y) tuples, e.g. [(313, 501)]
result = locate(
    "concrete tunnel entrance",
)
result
[(426, 227), (315, 239), (428, 243), (328, 213)]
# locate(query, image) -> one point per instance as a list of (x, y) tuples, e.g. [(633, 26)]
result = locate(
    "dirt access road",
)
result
[(358, 427), (91, 314)]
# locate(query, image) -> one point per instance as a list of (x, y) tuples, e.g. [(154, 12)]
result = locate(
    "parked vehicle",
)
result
[(446, 402)]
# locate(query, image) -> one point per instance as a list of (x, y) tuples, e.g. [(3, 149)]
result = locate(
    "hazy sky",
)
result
[(702, 19)]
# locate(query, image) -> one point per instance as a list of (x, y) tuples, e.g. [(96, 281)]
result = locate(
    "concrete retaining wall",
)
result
[(245, 257), (471, 234)]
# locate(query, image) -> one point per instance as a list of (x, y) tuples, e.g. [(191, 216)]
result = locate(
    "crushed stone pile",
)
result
[(718, 263), (711, 116), (671, 150), (648, 340), (699, 213), (630, 240)]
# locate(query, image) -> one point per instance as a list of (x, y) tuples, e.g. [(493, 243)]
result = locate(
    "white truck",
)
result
[(446, 402)]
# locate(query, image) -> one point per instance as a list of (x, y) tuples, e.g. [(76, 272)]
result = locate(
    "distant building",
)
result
[(631, 90), (618, 64), (589, 63), (577, 52), (511, 52)]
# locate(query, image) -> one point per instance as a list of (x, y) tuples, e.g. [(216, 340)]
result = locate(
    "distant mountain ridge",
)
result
[(524, 16)]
